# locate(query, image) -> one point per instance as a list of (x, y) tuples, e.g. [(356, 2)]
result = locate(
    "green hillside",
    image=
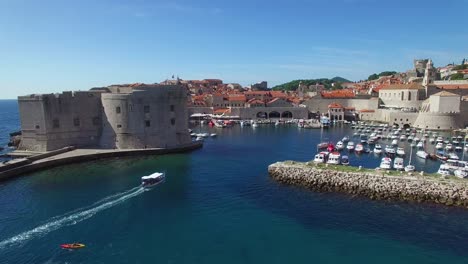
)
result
[(292, 85)]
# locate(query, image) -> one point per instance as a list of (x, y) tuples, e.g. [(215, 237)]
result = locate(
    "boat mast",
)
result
[(410, 155)]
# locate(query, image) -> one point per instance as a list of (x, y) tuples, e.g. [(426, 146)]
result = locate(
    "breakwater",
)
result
[(372, 184)]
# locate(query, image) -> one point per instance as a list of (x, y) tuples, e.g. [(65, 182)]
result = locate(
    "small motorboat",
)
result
[(350, 146), (334, 158), (359, 148), (345, 160), (400, 151), (386, 163), (339, 145), (398, 164), (321, 157), (444, 170), (152, 180), (389, 150), (378, 149), (72, 246), (213, 135)]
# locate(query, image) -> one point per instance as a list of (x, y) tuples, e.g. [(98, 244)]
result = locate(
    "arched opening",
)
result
[(340, 117), (262, 115), (274, 114), (286, 114), (405, 126)]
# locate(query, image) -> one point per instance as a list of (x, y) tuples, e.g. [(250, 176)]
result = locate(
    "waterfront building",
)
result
[(120, 116)]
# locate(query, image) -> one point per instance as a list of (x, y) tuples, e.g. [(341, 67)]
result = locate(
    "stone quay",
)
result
[(372, 184)]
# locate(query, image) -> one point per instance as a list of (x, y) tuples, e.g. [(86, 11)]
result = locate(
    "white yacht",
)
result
[(254, 124), (420, 144), (386, 163), (398, 164), (395, 142), (461, 173), (440, 139), (403, 137), (439, 145), (378, 149), (334, 158), (350, 146), (453, 156), (409, 167), (400, 151), (444, 170)]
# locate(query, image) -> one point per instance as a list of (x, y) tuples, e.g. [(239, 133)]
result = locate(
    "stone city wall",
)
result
[(370, 184)]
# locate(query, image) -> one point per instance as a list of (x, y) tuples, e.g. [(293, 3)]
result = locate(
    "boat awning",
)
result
[(152, 176)]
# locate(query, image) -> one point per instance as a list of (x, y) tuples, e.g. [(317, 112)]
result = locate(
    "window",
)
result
[(130, 107), (37, 127), (172, 108), (147, 123), (76, 121), (56, 123), (96, 121), (119, 126), (146, 108), (172, 121), (409, 96), (117, 109)]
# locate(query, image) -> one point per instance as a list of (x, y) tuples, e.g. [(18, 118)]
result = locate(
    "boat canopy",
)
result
[(152, 176)]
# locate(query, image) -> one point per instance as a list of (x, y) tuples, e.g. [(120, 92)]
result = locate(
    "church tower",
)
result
[(429, 76)]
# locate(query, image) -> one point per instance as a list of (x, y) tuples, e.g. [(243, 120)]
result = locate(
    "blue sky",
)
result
[(50, 46)]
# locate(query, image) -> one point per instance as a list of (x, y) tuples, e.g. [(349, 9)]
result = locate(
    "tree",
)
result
[(457, 76)]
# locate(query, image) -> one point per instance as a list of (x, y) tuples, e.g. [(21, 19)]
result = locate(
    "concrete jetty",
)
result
[(69, 155), (372, 184)]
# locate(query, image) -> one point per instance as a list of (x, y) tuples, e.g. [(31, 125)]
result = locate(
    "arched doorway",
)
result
[(262, 115), (405, 126), (286, 114), (274, 114)]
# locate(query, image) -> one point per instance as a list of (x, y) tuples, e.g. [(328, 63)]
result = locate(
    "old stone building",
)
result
[(119, 116)]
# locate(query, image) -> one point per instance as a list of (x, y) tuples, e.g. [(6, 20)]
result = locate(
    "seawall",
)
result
[(374, 185), (83, 155)]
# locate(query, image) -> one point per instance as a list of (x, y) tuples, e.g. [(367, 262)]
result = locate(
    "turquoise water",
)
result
[(217, 205)]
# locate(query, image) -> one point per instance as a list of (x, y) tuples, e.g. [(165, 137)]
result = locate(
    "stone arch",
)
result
[(274, 114), (262, 115), (405, 126), (286, 114)]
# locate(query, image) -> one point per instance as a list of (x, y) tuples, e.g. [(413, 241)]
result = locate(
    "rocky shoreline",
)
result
[(372, 184)]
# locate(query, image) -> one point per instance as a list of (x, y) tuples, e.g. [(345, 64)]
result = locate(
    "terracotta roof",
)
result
[(452, 86), (445, 94), (222, 111), (403, 86), (237, 98), (344, 93), (335, 105), (257, 93), (255, 101), (350, 108), (367, 111), (278, 94)]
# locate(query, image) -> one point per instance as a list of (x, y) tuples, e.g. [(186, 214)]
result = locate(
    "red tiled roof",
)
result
[(278, 94), (222, 111), (237, 98), (335, 105), (367, 111), (344, 93), (452, 86)]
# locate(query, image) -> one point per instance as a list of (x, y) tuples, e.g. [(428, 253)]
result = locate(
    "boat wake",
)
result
[(72, 218)]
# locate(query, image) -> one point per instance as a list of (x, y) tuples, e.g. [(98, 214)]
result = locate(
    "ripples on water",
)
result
[(219, 205)]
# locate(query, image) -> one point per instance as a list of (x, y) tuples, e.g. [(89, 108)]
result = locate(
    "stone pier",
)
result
[(372, 184)]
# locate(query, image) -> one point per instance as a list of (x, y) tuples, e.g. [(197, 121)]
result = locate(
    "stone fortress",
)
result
[(137, 116)]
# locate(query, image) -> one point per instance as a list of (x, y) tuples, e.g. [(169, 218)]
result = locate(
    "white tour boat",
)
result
[(422, 154), (389, 150), (151, 180), (444, 170), (439, 145), (321, 157)]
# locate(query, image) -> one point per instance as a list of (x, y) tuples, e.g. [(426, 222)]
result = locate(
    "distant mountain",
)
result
[(292, 85)]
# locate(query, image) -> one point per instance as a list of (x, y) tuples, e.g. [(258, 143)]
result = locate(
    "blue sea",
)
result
[(217, 205)]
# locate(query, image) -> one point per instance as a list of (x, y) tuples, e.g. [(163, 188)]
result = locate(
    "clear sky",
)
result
[(50, 46)]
